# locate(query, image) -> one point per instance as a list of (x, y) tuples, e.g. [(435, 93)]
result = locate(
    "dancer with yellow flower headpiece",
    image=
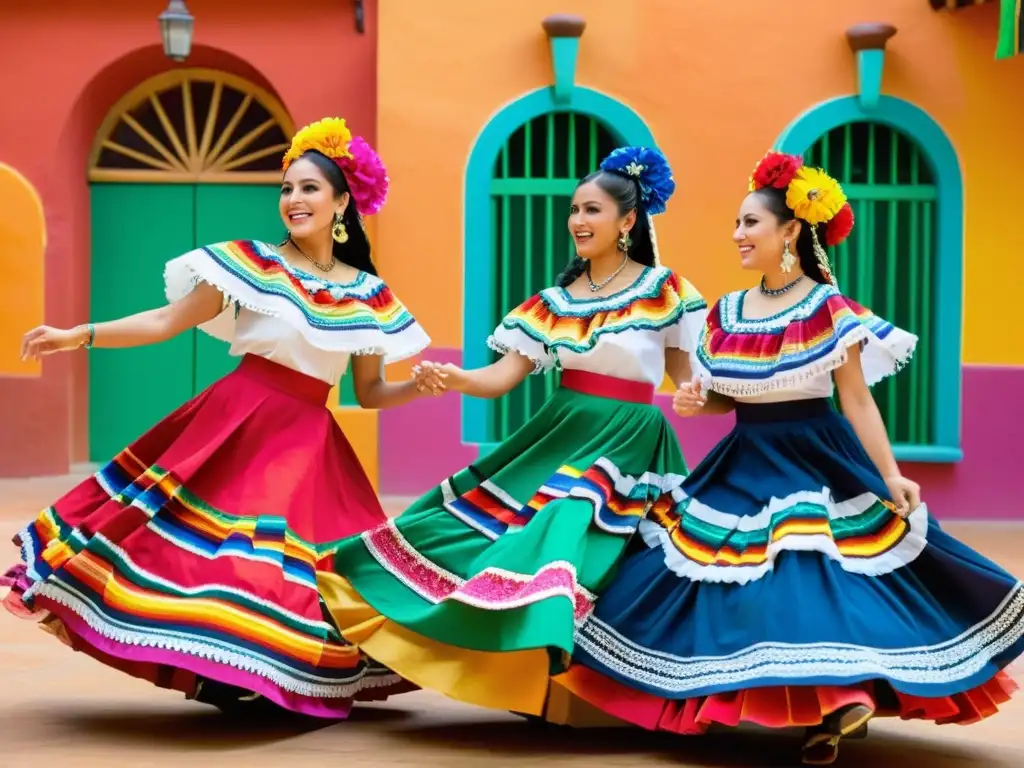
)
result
[(796, 579), (190, 559)]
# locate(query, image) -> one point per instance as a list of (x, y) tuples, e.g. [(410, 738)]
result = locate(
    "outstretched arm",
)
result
[(373, 392), (201, 304), (860, 409)]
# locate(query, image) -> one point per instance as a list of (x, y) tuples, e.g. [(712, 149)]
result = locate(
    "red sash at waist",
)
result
[(608, 386)]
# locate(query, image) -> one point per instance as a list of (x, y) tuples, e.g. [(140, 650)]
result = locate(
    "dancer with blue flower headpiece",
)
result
[(476, 591)]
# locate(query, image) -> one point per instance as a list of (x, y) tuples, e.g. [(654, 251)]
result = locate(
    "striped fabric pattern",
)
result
[(658, 299), (360, 317), (93, 574)]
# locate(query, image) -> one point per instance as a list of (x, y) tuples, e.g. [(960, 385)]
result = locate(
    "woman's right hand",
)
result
[(689, 398), (46, 340)]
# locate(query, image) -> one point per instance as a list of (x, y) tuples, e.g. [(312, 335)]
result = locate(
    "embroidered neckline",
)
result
[(741, 301), (607, 297), (271, 253), (649, 285), (656, 303), (733, 321)]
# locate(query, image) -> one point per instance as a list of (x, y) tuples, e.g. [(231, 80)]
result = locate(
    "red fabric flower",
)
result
[(776, 169), (839, 226)]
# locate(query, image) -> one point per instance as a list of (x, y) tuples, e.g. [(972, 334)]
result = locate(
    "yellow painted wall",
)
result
[(22, 253), (717, 82)]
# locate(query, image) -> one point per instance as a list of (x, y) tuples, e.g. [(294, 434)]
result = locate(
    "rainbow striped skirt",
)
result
[(191, 558), (779, 587), (476, 590)]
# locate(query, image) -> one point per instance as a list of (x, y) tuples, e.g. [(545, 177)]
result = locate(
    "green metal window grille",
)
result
[(531, 189), (888, 262)]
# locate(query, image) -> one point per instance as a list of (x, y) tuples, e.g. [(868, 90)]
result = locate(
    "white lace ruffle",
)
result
[(182, 274), (218, 652), (906, 551), (505, 340), (940, 664)]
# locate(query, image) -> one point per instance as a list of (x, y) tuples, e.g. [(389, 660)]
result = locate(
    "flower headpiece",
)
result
[(651, 171), (812, 195), (365, 173)]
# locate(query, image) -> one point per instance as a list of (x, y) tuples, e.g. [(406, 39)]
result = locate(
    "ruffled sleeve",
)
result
[(753, 357), (522, 331), (685, 332), (361, 317)]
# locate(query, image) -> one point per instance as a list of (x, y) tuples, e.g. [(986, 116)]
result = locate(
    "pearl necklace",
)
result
[(766, 291), (595, 287)]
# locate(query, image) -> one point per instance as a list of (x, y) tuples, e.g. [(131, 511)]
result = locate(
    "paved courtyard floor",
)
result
[(63, 708)]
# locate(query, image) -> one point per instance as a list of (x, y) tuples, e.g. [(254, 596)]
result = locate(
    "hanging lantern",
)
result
[(176, 25)]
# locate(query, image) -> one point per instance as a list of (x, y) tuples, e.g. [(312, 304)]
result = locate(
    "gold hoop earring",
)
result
[(338, 231), (788, 259), (623, 242)]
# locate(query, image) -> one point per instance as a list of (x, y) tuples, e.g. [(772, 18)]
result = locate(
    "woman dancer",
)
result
[(190, 559), (796, 580), (476, 590)]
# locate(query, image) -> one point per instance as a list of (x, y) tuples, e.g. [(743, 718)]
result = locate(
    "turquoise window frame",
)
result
[(938, 150), (478, 271)]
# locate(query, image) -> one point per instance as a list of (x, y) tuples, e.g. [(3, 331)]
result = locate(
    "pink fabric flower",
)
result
[(366, 175)]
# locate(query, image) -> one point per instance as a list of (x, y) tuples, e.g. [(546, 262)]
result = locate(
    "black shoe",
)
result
[(229, 699)]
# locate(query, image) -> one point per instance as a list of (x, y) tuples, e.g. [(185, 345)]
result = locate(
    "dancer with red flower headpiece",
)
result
[(796, 579), (190, 559)]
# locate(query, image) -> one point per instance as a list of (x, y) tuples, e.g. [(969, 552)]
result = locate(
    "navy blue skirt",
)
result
[(781, 563)]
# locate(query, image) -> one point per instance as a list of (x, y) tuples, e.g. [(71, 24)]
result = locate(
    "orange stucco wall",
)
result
[(717, 82), (23, 245), (83, 57)]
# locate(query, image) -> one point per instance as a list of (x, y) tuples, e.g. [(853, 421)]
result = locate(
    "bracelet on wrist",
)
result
[(91, 330)]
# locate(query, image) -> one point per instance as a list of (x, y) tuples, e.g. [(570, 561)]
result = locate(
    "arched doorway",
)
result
[(189, 157)]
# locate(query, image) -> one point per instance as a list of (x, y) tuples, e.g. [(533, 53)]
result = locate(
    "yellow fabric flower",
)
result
[(814, 196), (329, 136)]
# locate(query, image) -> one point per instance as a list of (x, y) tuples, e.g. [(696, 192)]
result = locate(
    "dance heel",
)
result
[(229, 699), (821, 746)]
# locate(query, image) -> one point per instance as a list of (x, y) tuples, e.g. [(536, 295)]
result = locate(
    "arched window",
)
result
[(533, 181), (192, 125), (888, 262), (904, 259)]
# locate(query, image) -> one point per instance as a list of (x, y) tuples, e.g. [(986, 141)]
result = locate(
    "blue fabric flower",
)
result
[(651, 170)]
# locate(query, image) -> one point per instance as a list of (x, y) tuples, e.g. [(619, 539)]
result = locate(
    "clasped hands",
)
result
[(432, 378)]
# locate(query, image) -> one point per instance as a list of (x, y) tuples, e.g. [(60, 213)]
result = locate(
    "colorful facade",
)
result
[(910, 112), (495, 147), (120, 159)]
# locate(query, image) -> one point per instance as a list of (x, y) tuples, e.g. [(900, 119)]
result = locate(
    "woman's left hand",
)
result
[(906, 494)]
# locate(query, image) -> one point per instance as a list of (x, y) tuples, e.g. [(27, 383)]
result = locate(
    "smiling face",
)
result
[(595, 223), (761, 236), (308, 201)]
